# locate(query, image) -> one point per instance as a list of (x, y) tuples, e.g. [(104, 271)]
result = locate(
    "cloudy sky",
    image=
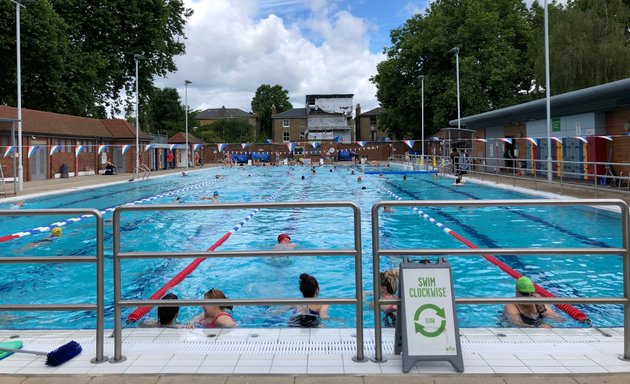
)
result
[(306, 46)]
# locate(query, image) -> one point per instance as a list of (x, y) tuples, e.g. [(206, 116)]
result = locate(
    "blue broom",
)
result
[(57, 357)]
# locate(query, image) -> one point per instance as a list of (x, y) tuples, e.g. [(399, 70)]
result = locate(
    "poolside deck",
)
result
[(506, 356)]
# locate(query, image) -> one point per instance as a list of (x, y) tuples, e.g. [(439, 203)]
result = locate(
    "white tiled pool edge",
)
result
[(319, 351)]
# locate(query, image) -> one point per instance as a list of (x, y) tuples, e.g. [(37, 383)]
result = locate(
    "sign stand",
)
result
[(427, 328)]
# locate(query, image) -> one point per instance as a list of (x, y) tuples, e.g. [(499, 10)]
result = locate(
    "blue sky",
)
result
[(382, 15), (306, 46)]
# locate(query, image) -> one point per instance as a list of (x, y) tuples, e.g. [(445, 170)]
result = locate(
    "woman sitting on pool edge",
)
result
[(309, 316), (529, 315), (214, 316)]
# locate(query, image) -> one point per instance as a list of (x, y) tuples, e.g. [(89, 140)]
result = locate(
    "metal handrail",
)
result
[(479, 165), (357, 301), (146, 172), (624, 251), (98, 259)]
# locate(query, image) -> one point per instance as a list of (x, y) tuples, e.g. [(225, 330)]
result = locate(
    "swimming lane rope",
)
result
[(141, 311), (38, 230), (567, 308)]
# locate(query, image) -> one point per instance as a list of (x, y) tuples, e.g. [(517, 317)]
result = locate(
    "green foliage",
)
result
[(502, 59), (588, 44), (77, 56), (266, 97), (164, 112), (227, 131), (493, 36)]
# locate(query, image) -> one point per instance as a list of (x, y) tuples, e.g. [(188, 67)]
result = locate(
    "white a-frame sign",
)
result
[(427, 324)]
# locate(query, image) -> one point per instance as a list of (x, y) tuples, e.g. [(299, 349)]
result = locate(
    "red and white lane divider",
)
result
[(141, 311), (567, 308)]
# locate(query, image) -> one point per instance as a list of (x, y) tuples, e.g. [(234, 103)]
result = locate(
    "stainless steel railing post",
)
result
[(376, 268), (100, 292), (118, 356), (625, 217), (358, 280)]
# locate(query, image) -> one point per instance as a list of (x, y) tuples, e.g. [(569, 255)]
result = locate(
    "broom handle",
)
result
[(2, 349)]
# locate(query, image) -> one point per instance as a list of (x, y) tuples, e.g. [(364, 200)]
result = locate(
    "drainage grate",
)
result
[(249, 347)]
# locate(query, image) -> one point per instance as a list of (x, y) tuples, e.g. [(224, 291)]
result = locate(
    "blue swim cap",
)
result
[(215, 193)]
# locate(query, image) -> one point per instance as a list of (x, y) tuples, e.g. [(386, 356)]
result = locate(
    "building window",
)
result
[(285, 136), (302, 135), (286, 123)]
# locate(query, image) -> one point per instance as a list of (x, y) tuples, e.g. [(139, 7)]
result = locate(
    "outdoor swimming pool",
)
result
[(588, 275)]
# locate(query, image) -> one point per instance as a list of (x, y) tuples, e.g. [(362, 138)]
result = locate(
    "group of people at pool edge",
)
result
[(311, 315)]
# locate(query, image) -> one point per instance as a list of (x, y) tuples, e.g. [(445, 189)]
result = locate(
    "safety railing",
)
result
[(98, 259), (624, 251), (355, 251), (583, 175)]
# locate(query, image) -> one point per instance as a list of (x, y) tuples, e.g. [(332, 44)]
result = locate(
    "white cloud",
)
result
[(231, 51)]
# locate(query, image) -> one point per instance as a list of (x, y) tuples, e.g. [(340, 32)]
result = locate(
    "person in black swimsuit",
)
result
[(529, 315)]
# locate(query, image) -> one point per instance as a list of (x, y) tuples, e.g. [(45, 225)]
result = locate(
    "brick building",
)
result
[(587, 125), (65, 135)]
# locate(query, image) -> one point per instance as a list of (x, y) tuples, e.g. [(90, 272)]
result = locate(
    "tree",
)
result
[(55, 77), (78, 56), (588, 44), (164, 112), (227, 131), (493, 36), (266, 97)]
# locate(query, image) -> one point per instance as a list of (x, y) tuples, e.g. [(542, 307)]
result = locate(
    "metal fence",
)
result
[(592, 175), (98, 259), (624, 251), (354, 251)]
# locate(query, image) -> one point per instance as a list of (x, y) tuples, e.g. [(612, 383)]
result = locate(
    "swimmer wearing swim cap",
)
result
[(215, 193), (56, 232)]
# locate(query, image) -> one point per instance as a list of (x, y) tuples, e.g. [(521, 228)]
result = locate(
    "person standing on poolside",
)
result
[(170, 159), (529, 315)]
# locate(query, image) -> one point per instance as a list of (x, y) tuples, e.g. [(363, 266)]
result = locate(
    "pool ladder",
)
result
[(146, 172), (4, 184)]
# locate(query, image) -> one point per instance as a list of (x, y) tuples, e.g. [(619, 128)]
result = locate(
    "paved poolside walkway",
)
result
[(290, 379)]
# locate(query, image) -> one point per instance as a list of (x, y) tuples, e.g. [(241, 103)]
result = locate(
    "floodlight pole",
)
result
[(20, 170), (548, 96), (186, 82), (422, 104), (137, 58)]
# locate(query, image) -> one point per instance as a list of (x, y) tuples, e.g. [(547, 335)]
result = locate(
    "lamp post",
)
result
[(422, 104), (137, 58), (186, 82), (20, 170), (456, 52), (548, 95)]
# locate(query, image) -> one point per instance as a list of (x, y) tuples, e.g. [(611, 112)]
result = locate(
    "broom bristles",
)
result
[(64, 353)]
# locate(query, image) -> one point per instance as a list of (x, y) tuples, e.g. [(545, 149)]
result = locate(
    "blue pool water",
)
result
[(584, 275)]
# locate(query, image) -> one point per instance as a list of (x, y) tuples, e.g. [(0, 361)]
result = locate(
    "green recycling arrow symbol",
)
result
[(439, 313)]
